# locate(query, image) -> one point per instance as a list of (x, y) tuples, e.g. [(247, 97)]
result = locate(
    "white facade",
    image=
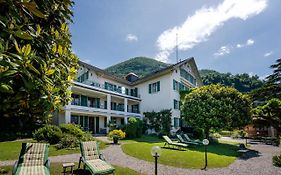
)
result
[(99, 97)]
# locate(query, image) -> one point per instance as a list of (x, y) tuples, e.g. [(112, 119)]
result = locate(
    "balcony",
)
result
[(109, 88)]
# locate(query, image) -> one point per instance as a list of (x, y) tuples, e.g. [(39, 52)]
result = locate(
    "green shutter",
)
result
[(84, 100), (98, 103), (149, 88), (136, 92), (174, 84), (158, 86)]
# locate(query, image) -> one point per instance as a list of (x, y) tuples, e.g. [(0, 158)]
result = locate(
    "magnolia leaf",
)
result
[(31, 6), (6, 88), (8, 73), (17, 46), (50, 71), (33, 68), (23, 35), (60, 50), (27, 50)]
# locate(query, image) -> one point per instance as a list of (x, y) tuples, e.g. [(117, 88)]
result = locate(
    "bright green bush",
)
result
[(216, 135), (131, 129), (68, 141), (49, 133), (117, 133), (226, 133), (72, 129), (276, 160)]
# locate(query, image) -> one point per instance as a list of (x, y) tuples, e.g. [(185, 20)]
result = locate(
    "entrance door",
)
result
[(97, 125), (92, 124)]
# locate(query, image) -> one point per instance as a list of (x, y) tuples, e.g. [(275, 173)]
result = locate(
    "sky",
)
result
[(237, 36)]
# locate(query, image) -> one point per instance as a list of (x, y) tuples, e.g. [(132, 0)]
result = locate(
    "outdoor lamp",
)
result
[(205, 143), (156, 152)]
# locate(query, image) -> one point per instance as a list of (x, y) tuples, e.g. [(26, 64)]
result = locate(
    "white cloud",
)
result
[(268, 54), (131, 38), (250, 42), (224, 50), (198, 27)]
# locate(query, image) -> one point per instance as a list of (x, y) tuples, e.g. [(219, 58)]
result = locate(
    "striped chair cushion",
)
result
[(34, 154), (32, 170), (97, 166), (89, 150)]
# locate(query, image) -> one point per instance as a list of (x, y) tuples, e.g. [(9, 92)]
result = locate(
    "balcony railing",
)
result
[(113, 89)]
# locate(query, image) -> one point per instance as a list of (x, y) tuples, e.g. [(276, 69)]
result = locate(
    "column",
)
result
[(126, 120), (108, 118), (108, 99), (125, 105), (67, 117)]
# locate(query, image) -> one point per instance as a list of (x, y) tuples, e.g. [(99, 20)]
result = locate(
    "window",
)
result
[(176, 104), (176, 122), (187, 76), (74, 119), (154, 87), (75, 99)]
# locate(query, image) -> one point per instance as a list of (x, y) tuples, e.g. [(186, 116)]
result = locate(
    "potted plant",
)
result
[(116, 135)]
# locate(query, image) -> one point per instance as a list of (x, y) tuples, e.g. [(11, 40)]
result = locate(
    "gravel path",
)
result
[(261, 164)]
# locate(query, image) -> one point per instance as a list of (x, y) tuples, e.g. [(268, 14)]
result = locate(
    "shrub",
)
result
[(72, 129), (49, 133), (198, 133), (68, 141), (276, 160), (226, 133), (238, 134), (216, 135), (119, 133), (140, 127), (131, 128)]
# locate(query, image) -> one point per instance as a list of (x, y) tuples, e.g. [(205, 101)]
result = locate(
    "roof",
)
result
[(152, 75)]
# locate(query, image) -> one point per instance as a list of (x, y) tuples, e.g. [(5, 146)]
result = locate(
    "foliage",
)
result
[(216, 135), (225, 133), (49, 133), (276, 160), (72, 129), (36, 61), (140, 126), (215, 107), (271, 112), (141, 66), (117, 133), (66, 135), (242, 82), (238, 134), (159, 121), (131, 128)]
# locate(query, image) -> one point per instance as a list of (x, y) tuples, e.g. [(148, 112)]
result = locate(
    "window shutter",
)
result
[(158, 85), (98, 103), (149, 88), (174, 84), (136, 92)]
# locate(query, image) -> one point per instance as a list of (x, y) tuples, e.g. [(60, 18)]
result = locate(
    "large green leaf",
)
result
[(31, 6), (23, 35), (6, 88)]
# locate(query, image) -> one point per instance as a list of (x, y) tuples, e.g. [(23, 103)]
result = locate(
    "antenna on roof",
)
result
[(177, 48)]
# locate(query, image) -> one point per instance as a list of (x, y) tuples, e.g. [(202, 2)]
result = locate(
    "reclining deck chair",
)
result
[(190, 140), (169, 142), (33, 160), (186, 142), (93, 159)]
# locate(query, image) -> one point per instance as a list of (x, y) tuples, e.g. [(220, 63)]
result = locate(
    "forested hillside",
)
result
[(242, 82), (141, 66)]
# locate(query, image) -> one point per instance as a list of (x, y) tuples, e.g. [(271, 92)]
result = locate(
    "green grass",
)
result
[(56, 168), (219, 154), (10, 150)]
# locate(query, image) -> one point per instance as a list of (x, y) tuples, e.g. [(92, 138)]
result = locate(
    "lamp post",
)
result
[(156, 152), (205, 143)]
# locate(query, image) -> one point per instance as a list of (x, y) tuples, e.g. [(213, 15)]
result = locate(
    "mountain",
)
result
[(141, 66)]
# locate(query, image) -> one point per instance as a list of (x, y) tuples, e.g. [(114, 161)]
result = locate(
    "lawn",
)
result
[(219, 154), (56, 168), (10, 150)]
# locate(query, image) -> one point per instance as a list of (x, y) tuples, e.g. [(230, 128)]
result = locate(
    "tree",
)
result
[(271, 112), (216, 107), (242, 82), (36, 61)]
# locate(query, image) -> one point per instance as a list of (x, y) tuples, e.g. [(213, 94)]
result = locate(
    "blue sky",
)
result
[(234, 36)]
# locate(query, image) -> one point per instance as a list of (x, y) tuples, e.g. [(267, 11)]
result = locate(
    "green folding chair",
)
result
[(33, 160)]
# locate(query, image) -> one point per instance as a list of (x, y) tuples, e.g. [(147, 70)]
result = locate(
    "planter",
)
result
[(115, 140)]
